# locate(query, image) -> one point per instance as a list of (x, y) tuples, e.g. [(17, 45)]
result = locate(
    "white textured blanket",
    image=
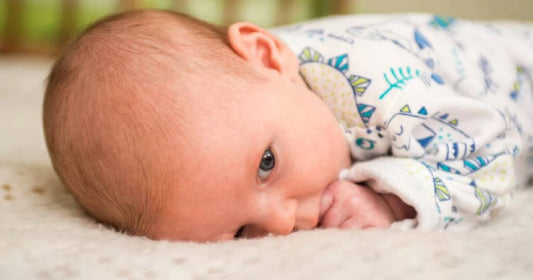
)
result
[(45, 235)]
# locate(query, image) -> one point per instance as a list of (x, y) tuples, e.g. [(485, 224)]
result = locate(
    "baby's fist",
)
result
[(346, 205)]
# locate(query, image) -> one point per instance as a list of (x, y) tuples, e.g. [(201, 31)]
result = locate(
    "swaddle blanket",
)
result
[(436, 110)]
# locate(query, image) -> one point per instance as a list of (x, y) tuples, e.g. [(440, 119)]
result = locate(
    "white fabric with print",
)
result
[(434, 108)]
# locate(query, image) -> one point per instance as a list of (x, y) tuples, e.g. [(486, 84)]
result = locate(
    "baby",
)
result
[(171, 128)]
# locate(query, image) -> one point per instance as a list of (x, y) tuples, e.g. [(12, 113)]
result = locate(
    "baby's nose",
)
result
[(281, 219)]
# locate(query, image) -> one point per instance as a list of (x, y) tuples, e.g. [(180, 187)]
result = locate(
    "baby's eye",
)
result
[(268, 161)]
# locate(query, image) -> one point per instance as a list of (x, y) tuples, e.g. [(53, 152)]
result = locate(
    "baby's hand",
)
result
[(346, 205)]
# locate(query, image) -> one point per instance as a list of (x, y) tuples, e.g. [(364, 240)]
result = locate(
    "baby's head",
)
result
[(171, 128)]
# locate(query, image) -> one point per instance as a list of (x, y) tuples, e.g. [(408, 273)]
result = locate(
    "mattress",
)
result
[(44, 234)]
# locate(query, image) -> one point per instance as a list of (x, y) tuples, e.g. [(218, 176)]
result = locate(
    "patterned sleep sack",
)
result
[(437, 110)]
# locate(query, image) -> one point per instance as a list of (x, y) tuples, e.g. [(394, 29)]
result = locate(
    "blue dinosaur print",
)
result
[(340, 62), (518, 84), (364, 143), (377, 32), (451, 221), (405, 110), (477, 163), (486, 68), (424, 135), (421, 40), (441, 192), (459, 67), (426, 88), (366, 111), (423, 43), (310, 55), (405, 115), (359, 84), (486, 199), (444, 167), (470, 165), (439, 130), (316, 33), (341, 38), (460, 144), (442, 22), (339, 66)]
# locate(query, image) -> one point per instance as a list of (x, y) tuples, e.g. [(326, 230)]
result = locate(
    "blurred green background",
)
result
[(39, 25), (43, 26)]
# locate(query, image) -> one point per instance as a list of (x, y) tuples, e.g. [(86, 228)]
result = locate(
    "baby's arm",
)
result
[(447, 151), (347, 205), (442, 200)]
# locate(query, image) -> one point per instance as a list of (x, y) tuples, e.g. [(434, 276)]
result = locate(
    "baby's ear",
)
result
[(262, 49)]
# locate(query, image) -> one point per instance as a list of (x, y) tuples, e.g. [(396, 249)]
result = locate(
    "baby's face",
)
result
[(256, 162)]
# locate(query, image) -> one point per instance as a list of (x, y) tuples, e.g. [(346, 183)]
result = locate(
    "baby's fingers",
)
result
[(334, 216), (357, 221), (338, 213), (350, 222)]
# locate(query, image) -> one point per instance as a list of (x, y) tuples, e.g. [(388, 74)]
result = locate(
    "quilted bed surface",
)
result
[(44, 234)]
